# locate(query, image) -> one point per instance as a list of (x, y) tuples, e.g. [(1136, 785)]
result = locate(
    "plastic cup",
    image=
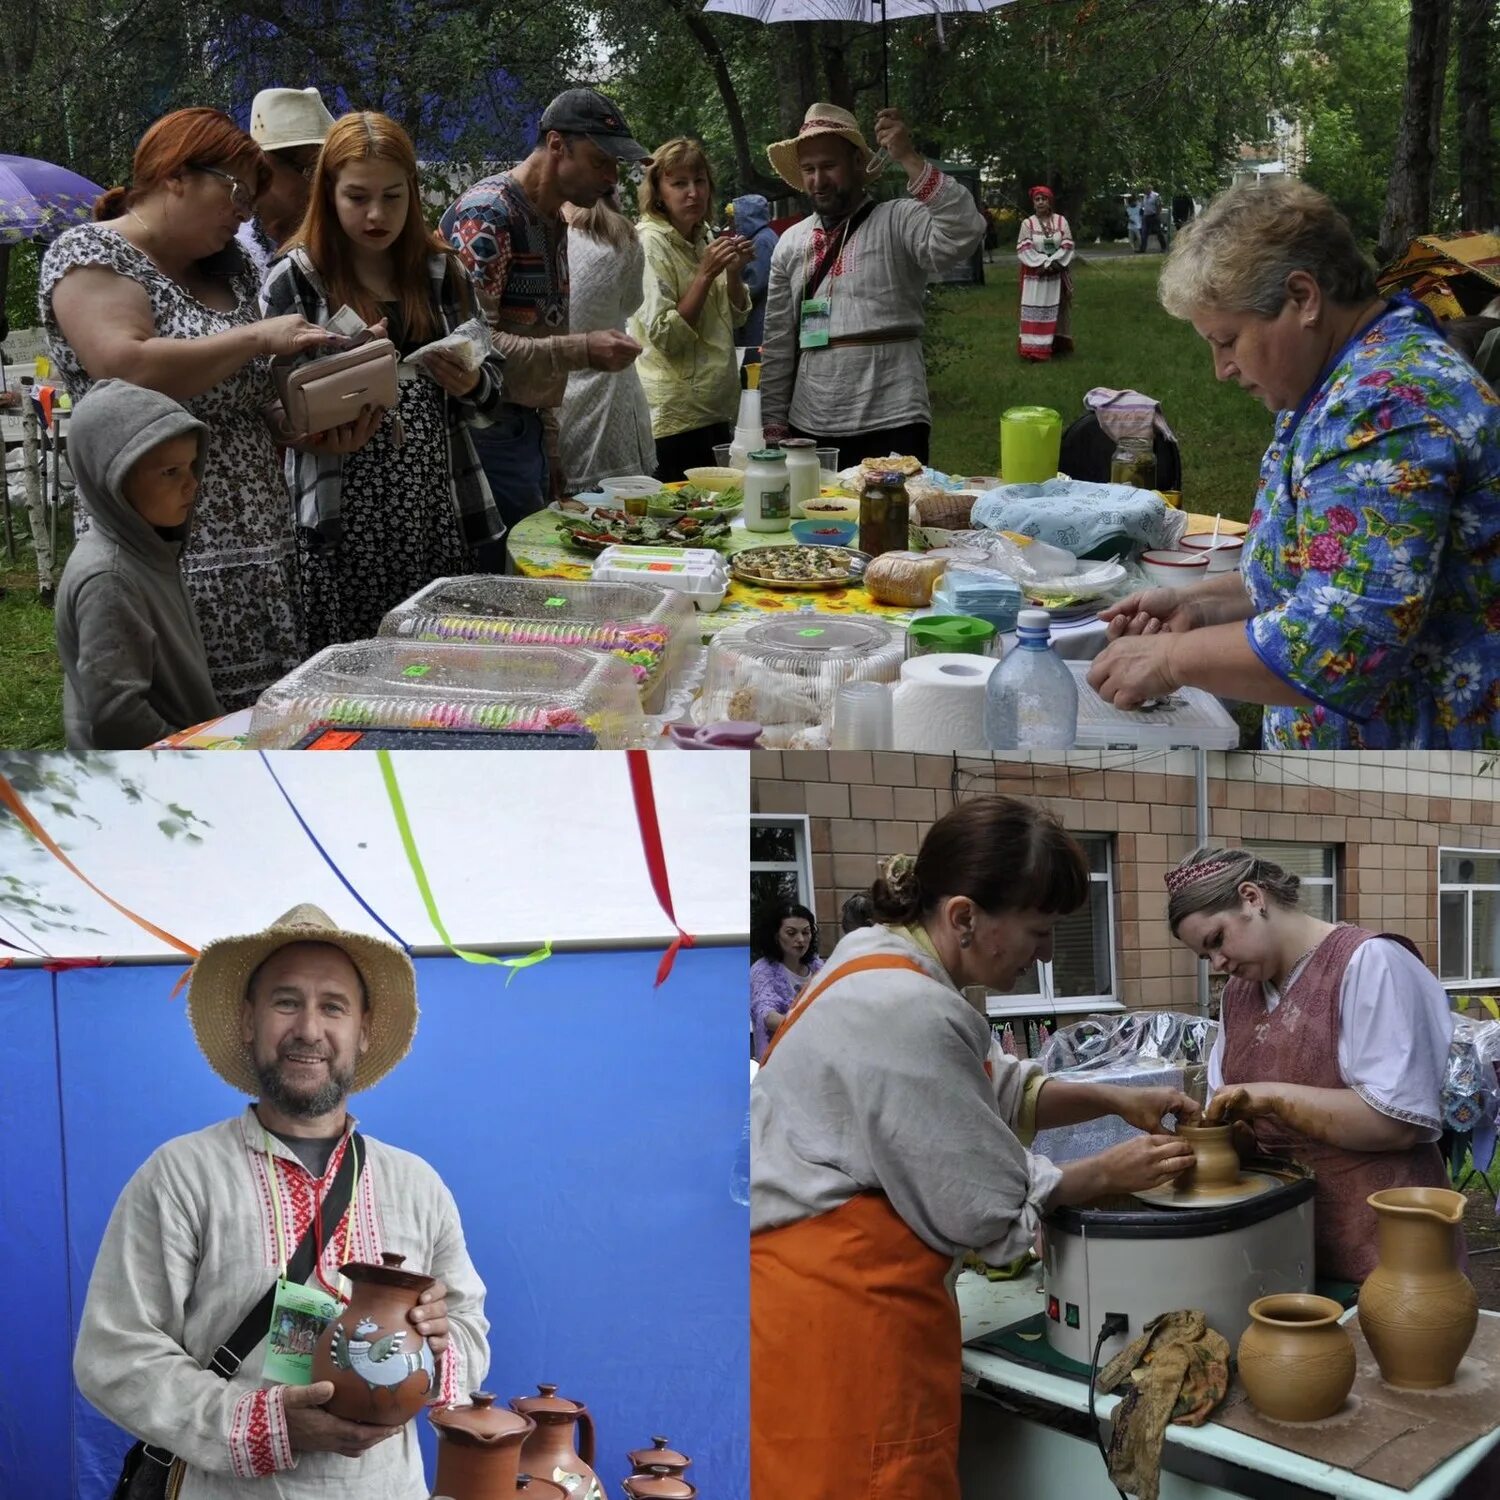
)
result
[(633, 505), (721, 455), (862, 717), (828, 462)]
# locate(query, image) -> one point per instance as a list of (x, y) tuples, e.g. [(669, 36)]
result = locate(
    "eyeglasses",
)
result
[(240, 197)]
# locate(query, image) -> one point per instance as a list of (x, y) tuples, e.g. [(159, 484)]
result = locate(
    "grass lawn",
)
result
[(1124, 340)]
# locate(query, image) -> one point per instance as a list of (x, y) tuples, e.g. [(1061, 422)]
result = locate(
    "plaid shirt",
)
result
[(317, 479)]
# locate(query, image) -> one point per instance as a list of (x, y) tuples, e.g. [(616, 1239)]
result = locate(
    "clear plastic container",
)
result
[(784, 673), (699, 573), (647, 627), (1031, 700), (397, 684)]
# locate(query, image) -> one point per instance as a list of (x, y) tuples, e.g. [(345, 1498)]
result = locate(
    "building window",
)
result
[(780, 865), (1468, 916), (1316, 865), (1083, 945)]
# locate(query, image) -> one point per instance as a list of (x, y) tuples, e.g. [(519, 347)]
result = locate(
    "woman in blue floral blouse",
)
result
[(1368, 613)]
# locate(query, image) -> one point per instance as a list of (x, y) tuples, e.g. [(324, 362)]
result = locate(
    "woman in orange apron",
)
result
[(887, 1133), (1332, 1045)]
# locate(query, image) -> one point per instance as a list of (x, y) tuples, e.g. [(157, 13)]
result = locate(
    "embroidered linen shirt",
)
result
[(191, 1246), (1373, 556)]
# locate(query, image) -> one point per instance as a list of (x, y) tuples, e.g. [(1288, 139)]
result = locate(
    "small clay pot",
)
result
[(1296, 1361), (381, 1368), (1216, 1164), (657, 1459), (479, 1448), (658, 1487)]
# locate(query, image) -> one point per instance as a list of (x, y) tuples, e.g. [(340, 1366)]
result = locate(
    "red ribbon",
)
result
[(62, 965), (656, 855)]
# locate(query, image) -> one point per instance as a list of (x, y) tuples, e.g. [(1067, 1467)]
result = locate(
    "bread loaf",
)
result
[(903, 579)]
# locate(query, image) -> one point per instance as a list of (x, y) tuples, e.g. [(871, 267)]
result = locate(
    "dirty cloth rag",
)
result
[(1127, 414), (1179, 1372)]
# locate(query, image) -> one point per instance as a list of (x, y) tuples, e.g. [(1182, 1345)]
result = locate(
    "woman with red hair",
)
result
[(1045, 248), (158, 293), (375, 526)]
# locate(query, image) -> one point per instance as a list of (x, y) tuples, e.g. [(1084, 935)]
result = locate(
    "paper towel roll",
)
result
[(939, 703)]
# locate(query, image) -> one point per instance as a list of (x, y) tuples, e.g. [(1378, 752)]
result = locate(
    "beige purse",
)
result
[(319, 394)]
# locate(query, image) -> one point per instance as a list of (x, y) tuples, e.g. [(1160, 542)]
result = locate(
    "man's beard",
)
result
[(326, 1097), (836, 206)]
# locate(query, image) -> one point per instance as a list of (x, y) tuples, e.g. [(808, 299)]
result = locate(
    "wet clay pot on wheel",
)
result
[(1216, 1164), (657, 1459), (549, 1452), (479, 1449), (1417, 1309), (658, 1487), (381, 1368), (1296, 1362)]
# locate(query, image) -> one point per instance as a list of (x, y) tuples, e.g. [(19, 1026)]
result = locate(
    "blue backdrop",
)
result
[(587, 1124)]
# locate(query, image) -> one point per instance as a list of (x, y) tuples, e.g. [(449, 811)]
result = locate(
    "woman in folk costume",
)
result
[(1045, 248), (888, 1138)]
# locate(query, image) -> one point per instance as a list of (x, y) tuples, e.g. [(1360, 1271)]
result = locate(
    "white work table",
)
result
[(1025, 1433)]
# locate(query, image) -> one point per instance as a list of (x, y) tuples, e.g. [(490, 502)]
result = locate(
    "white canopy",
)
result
[(871, 12), (517, 847)]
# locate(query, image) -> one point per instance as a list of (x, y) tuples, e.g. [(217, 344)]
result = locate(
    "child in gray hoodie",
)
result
[(129, 640)]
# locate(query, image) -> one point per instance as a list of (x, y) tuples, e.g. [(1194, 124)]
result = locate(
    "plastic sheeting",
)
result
[(587, 1123)]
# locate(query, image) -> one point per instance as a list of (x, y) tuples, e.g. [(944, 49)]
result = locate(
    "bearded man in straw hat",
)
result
[(290, 126), (842, 360), (299, 1016)]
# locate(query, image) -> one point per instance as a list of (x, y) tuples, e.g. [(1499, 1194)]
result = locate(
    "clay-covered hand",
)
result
[(310, 1429), (1144, 1108), (1150, 611), (1144, 1162), (452, 374), (1132, 670), (430, 1317), (1239, 1101)]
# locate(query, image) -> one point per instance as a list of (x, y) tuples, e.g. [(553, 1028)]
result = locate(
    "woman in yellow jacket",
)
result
[(694, 300)]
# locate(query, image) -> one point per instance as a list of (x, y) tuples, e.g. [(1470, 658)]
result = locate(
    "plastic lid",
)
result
[(798, 443), (658, 1487), (481, 1421), (1033, 619), (811, 634), (547, 1403), (767, 455), (951, 632)]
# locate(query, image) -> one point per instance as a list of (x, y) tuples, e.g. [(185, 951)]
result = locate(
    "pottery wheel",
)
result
[(1250, 1185)]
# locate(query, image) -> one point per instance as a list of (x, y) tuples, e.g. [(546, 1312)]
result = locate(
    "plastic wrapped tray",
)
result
[(396, 684), (646, 627), (697, 573), (784, 672)]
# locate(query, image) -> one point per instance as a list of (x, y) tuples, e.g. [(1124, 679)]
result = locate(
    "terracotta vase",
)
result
[(657, 1459), (479, 1449), (381, 1368), (1417, 1309), (549, 1452), (1296, 1362), (658, 1487), (1216, 1164)]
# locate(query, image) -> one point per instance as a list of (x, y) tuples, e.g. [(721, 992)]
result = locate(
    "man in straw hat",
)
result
[(842, 360), (300, 1016), (289, 125)]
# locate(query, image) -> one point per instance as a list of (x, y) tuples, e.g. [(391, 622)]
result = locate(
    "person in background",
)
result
[(752, 221), (788, 948), (1183, 209), (1478, 340), (509, 232), (849, 371), (1332, 1042), (694, 300), (1364, 614), (604, 425), (412, 505), (1133, 220), (856, 913), (289, 126), (1045, 250), (134, 669), (1151, 220)]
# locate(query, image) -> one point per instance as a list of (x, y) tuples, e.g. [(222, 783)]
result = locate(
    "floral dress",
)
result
[(240, 564), (1373, 555)]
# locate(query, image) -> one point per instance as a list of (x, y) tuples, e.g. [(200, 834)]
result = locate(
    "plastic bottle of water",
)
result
[(1031, 700)]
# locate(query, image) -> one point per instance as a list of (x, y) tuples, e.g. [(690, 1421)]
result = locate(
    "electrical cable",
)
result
[(1114, 1323)]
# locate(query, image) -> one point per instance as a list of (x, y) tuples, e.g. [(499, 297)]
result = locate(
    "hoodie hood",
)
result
[(110, 429), (752, 213)]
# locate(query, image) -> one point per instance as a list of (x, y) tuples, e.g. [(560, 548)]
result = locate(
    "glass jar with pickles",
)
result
[(884, 514), (1134, 463)]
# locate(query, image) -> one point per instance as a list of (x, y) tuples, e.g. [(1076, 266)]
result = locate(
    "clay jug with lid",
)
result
[(658, 1487), (657, 1459), (1418, 1311), (381, 1368), (479, 1448), (1296, 1362), (549, 1452)]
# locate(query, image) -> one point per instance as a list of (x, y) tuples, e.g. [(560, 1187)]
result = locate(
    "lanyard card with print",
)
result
[(299, 1314), (816, 323)]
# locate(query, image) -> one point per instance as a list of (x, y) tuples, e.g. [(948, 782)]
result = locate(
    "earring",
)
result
[(963, 940), (1265, 916)]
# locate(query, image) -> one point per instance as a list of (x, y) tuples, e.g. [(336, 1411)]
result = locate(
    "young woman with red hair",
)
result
[(414, 505), (157, 292)]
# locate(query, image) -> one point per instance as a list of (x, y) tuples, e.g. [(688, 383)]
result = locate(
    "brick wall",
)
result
[(862, 806)]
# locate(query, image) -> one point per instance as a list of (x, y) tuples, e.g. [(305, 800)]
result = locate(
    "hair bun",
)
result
[(110, 204)]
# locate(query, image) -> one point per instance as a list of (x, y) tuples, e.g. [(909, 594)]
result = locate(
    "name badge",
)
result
[(298, 1316), (817, 320)]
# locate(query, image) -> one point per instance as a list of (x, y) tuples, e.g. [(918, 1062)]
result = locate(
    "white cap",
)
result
[(1033, 619), (282, 118)]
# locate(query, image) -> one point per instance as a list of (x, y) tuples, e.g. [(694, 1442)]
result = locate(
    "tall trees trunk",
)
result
[(834, 42), (796, 71), (1408, 202), (1474, 24)]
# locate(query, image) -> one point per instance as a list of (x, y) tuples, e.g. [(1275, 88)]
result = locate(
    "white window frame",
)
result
[(1448, 888), (1330, 881), (801, 863), (1045, 1001)]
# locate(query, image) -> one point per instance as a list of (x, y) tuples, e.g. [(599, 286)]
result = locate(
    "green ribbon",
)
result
[(408, 843)]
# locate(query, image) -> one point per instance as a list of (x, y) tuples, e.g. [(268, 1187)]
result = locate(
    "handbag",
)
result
[(318, 394), (151, 1473)]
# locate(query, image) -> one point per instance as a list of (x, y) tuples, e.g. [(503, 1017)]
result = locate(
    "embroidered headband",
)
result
[(1179, 879)]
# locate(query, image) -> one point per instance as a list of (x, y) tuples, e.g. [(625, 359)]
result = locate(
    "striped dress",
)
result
[(1045, 249)]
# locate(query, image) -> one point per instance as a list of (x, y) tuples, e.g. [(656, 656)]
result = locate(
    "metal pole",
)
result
[(1200, 819), (885, 54)]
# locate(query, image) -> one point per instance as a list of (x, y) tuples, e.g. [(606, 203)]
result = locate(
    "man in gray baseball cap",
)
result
[(585, 112)]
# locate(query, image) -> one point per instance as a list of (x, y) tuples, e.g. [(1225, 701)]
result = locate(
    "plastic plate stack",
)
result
[(647, 628), (396, 684), (784, 673)]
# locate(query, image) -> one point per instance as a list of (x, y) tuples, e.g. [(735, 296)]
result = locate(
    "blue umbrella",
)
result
[(38, 199)]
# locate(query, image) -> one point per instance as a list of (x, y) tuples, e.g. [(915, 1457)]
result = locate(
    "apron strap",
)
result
[(864, 965)]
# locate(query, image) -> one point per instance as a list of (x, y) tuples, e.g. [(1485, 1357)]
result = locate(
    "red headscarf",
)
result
[(1045, 191)]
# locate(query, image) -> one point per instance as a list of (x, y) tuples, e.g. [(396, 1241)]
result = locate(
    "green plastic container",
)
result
[(1030, 444), (932, 634)]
